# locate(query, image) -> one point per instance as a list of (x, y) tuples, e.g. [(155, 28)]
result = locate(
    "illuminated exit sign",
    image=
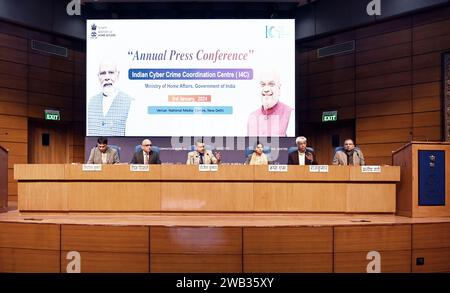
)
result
[(52, 115), (329, 116)]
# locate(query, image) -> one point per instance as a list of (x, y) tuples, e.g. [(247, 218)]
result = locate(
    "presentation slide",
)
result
[(211, 77)]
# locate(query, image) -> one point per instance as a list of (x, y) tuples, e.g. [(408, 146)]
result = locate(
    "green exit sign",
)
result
[(52, 115), (329, 116)]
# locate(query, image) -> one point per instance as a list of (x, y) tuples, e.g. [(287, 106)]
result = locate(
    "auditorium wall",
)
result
[(390, 85), (32, 81)]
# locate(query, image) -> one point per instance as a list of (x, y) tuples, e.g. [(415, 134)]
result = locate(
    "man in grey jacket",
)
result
[(102, 153), (349, 155)]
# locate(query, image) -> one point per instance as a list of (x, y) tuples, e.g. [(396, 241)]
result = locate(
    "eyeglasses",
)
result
[(147, 145)]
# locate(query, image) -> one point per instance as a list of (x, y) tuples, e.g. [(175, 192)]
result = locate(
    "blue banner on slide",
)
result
[(191, 110), (431, 178)]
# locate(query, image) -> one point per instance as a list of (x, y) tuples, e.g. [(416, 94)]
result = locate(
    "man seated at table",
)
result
[(349, 155), (257, 157), (302, 156), (102, 153), (202, 156), (146, 155)]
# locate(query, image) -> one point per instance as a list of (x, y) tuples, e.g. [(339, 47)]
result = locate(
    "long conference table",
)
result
[(184, 188)]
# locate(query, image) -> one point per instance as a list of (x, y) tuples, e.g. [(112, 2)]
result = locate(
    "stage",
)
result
[(222, 242)]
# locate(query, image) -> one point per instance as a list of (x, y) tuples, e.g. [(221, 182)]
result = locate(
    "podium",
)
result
[(424, 190), (3, 179)]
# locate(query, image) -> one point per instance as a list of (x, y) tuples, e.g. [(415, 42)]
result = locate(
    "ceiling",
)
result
[(191, 9)]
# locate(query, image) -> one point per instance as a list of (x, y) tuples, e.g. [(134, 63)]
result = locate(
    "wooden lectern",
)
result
[(424, 189), (3, 179)]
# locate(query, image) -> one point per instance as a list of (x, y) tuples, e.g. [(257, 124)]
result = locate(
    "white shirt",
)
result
[(104, 158), (301, 158)]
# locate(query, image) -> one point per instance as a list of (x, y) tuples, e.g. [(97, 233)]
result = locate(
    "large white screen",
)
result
[(190, 77)]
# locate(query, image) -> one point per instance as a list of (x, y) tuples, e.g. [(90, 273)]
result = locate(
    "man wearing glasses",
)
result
[(146, 155)]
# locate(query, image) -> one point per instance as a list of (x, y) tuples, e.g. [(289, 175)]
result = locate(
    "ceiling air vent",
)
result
[(336, 49), (48, 48)]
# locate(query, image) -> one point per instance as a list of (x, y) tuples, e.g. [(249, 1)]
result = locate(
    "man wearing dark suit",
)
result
[(302, 156), (146, 155)]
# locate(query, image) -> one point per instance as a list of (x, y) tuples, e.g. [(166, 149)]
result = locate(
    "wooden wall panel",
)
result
[(32, 81), (431, 236), (431, 30), (195, 249), (13, 55), (29, 247), (398, 261), (332, 76), (352, 244), (385, 67), (12, 68), (383, 27), (13, 82), (438, 43), (397, 77), (108, 262), (13, 96), (426, 104), (107, 248), (426, 60), (384, 122), (338, 101), (384, 40), (196, 240), (13, 42), (385, 136), (432, 243), (383, 81), (384, 95), (301, 249), (428, 74), (30, 236), (288, 263), (18, 260), (332, 89), (288, 240), (195, 263), (384, 109), (50, 62), (436, 260), (382, 54), (367, 238), (105, 238), (427, 119)]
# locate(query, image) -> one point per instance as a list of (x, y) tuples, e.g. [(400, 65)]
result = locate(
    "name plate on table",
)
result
[(208, 168), (318, 168), (139, 168), (91, 167), (371, 169), (278, 168)]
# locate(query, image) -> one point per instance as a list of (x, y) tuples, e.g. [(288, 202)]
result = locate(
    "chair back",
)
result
[(194, 148), (115, 147), (249, 150), (341, 148), (293, 149), (154, 148)]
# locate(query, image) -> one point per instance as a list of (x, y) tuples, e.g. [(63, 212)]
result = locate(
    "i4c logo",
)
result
[(275, 32)]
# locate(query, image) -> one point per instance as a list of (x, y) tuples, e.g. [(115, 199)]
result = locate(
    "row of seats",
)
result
[(248, 150)]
